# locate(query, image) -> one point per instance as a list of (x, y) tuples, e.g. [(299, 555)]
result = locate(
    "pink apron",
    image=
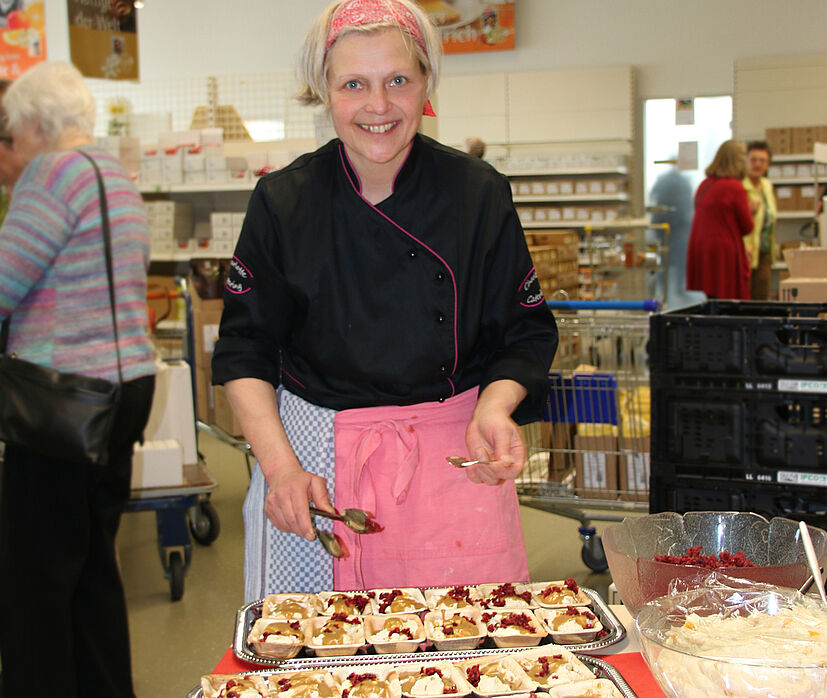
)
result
[(439, 528)]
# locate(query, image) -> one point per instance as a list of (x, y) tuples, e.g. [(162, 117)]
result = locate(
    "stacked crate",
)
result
[(739, 409)]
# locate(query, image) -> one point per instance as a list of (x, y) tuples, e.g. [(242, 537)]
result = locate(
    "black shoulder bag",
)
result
[(61, 415)]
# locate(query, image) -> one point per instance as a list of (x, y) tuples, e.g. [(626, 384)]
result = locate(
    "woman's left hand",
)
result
[(492, 435)]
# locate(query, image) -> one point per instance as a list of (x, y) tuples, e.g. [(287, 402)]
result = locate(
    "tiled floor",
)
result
[(173, 644)]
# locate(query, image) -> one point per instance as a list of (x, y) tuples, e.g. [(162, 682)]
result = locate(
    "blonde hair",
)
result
[(312, 68), (55, 94), (729, 161)]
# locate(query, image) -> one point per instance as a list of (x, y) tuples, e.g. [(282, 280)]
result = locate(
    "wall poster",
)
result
[(22, 36), (471, 26), (103, 38)]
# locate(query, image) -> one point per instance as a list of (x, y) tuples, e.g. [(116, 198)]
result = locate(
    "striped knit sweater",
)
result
[(53, 272)]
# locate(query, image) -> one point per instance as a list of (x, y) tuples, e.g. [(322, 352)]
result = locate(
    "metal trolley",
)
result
[(591, 452), (186, 509)]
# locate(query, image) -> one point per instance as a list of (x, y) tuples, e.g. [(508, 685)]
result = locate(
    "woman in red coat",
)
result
[(716, 261)]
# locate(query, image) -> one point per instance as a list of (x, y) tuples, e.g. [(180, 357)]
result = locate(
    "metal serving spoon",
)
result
[(355, 519), (329, 542), (460, 462)]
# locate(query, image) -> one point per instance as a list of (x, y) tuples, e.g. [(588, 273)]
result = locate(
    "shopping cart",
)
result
[(591, 451)]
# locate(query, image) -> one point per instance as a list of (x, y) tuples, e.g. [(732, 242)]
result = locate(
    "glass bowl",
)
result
[(756, 656), (774, 546)]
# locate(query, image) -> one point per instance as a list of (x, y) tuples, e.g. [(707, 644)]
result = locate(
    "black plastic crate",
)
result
[(750, 339), (712, 494), (738, 433)]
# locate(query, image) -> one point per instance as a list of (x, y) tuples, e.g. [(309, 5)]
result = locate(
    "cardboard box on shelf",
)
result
[(634, 468), (807, 282), (595, 460), (778, 139), (206, 317), (786, 198), (172, 414)]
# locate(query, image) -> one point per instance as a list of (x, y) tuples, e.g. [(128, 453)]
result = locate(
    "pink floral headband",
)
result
[(358, 12)]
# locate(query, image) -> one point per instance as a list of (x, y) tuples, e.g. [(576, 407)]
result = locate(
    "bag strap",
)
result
[(107, 248)]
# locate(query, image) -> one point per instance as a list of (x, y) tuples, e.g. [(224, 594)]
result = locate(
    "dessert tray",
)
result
[(611, 631), (603, 673)]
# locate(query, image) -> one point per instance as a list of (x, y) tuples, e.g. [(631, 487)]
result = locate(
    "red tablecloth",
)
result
[(630, 664)]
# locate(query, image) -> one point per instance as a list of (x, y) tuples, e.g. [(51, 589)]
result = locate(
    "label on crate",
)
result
[(812, 479), (797, 385)]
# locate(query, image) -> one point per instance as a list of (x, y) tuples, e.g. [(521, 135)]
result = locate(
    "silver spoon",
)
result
[(460, 462), (355, 519), (329, 542)]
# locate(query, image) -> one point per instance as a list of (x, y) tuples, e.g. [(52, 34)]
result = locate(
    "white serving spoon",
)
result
[(815, 569)]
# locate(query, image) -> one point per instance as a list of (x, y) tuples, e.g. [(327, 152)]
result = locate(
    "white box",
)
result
[(526, 214), (595, 186), (173, 176), (538, 188), (215, 162), (804, 171), (217, 176), (161, 247), (172, 414), (221, 218), (238, 219), (566, 188), (788, 170), (569, 213), (195, 177), (540, 214), (256, 161), (150, 179), (157, 464), (156, 233), (222, 232), (581, 187), (554, 214), (194, 160), (553, 188), (523, 188), (224, 248), (152, 166)]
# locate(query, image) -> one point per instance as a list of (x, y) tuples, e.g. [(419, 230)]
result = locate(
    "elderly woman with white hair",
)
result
[(382, 313), (61, 587)]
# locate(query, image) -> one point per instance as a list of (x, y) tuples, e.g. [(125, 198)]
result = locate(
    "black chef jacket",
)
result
[(427, 294)]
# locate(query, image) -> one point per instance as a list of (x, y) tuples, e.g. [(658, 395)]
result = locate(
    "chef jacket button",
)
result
[(442, 399), (440, 276), (412, 253), (440, 318), (443, 369)]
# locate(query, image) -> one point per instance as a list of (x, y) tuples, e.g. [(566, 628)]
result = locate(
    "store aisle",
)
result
[(174, 643)]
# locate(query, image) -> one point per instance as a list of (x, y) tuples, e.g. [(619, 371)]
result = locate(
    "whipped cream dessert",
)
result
[(571, 619), (507, 595), (397, 600), (304, 684), (430, 681), (234, 686), (446, 627), (290, 606), (753, 655), (565, 593), (396, 629), (277, 631), (511, 623), (342, 602), (495, 677), (450, 598), (339, 629), (367, 684), (553, 668)]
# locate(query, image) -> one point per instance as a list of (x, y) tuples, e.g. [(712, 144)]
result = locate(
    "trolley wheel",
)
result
[(176, 575), (204, 523), (593, 555)]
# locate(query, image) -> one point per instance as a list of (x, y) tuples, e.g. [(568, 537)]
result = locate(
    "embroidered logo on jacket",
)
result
[(530, 293), (239, 278)]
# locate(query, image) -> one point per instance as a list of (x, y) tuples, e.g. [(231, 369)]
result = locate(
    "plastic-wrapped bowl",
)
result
[(774, 546), (755, 650)]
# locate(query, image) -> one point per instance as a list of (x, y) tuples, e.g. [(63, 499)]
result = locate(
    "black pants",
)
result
[(63, 623)]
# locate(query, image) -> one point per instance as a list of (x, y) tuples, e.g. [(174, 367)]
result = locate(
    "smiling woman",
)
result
[(387, 317)]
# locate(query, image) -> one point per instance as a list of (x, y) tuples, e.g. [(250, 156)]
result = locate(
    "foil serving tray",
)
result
[(601, 668), (248, 614)]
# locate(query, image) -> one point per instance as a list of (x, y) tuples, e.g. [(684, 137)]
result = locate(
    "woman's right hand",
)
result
[(290, 489)]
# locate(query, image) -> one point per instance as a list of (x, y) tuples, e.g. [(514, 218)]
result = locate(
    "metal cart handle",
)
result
[(651, 305)]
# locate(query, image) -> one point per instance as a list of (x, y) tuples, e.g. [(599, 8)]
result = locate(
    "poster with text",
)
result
[(471, 26), (22, 36), (103, 38)]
